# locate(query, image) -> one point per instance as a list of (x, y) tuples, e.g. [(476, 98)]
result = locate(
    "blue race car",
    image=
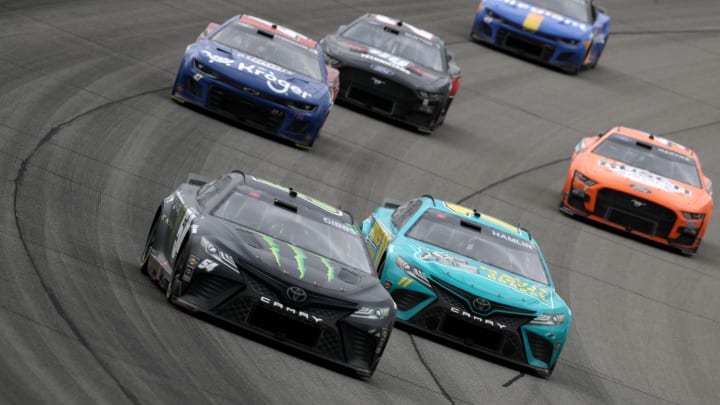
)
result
[(469, 279), (568, 34), (261, 74)]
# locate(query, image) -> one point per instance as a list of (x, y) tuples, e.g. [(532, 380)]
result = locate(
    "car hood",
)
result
[(546, 21), (484, 280), (384, 64), (282, 260), (245, 70), (642, 183)]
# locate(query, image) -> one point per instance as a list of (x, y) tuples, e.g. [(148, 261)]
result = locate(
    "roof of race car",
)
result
[(295, 198), (654, 140), (479, 217), (402, 26), (278, 30)]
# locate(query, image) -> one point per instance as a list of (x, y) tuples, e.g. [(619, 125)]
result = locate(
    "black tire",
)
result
[(381, 267), (597, 59), (175, 286), (149, 241)]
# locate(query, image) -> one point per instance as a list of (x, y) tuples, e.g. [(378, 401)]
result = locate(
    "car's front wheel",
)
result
[(149, 242), (174, 287)]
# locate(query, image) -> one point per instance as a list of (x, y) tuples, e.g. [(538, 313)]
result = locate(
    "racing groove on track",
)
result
[(90, 145)]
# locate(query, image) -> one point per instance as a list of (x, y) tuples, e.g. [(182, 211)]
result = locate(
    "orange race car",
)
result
[(641, 183)]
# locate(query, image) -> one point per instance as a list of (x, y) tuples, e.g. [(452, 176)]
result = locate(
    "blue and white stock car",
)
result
[(261, 74), (568, 34)]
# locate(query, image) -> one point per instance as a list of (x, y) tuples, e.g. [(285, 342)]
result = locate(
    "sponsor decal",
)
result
[(640, 188), (382, 337), (207, 265), (181, 227), (279, 306), (299, 259), (279, 86), (644, 177), (264, 63), (477, 319), (546, 13), (329, 267), (213, 58), (674, 154), (446, 260), (532, 22), (516, 241), (349, 229), (382, 69), (378, 240), (670, 144), (274, 248), (518, 284), (387, 59), (405, 282)]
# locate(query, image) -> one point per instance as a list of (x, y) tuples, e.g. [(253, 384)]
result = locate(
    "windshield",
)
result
[(276, 49), (577, 9), (654, 159), (403, 44), (325, 236), (481, 243)]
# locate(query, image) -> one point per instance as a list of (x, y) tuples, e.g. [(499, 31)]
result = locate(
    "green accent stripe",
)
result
[(274, 248), (330, 269), (299, 259)]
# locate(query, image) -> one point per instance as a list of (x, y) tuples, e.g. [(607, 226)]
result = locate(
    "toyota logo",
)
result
[(481, 305), (296, 294), (638, 203)]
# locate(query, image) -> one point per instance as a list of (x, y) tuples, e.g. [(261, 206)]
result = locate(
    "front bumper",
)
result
[(316, 327), (253, 107), (632, 213), (444, 311), (536, 46), (389, 98)]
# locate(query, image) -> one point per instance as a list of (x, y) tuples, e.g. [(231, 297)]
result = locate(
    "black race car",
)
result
[(273, 261), (395, 69)]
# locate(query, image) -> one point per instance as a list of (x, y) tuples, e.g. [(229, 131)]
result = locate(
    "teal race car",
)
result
[(469, 279)]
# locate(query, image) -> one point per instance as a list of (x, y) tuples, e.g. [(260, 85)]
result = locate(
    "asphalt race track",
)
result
[(90, 142)]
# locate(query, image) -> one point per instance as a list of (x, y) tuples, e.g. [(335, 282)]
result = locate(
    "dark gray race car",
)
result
[(393, 69), (273, 261)]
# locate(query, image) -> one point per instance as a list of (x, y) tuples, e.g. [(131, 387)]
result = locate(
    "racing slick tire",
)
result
[(597, 59), (381, 267), (149, 241), (174, 287)]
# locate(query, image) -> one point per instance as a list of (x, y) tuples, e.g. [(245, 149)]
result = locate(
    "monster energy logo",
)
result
[(299, 259), (274, 248)]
